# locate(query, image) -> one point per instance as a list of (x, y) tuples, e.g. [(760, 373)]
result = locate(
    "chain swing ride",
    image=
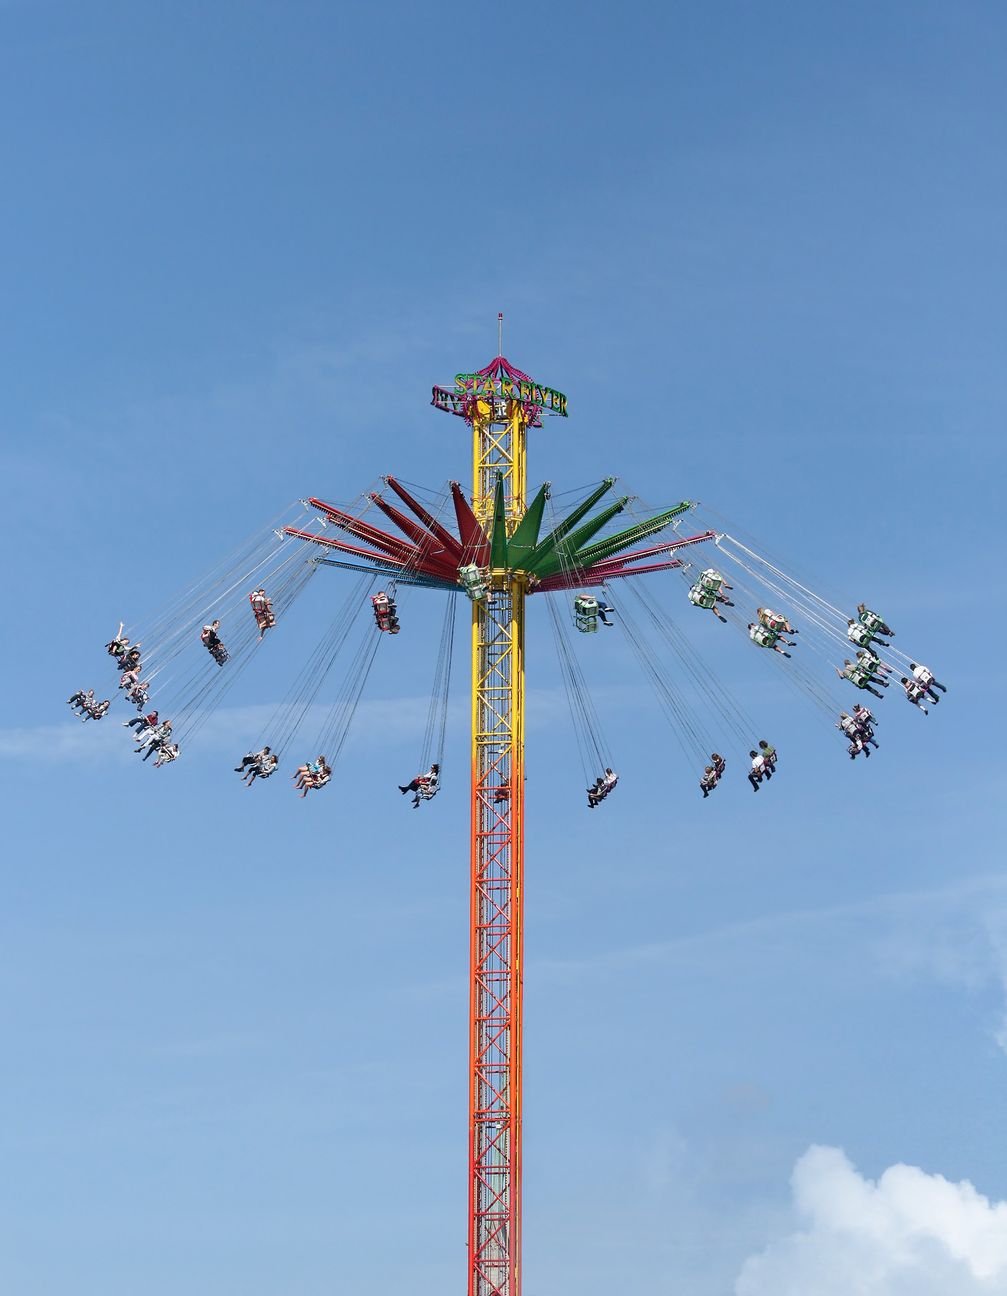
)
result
[(501, 551)]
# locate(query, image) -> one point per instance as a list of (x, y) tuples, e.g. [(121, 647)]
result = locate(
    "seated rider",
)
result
[(251, 758), (872, 621), (263, 769), (319, 774), (875, 667), (862, 636), (856, 674), (315, 775), (262, 610), (864, 716), (765, 638), (85, 707), (915, 693), (385, 612), (211, 638), (143, 722), (848, 725), (166, 753), (96, 710), (704, 598), (713, 580), (117, 645), (154, 739), (138, 694), (306, 771), (603, 785), (925, 678), (712, 773), (131, 659), (758, 772), (864, 720), (769, 756), (425, 785), (774, 621)]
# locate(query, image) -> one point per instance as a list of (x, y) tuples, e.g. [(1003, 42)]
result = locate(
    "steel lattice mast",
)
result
[(497, 869)]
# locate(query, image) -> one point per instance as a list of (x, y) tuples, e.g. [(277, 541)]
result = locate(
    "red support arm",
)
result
[(380, 539), (409, 562), (430, 549), (344, 547), (451, 545), (476, 546)]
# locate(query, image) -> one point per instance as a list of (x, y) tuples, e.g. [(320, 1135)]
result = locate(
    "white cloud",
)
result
[(907, 1234)]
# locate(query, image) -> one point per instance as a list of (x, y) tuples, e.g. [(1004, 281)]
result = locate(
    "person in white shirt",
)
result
[(603, 785), (758, 771), (925, 678)]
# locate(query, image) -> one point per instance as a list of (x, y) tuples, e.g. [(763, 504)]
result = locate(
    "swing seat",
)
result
[(585, 614), (473, 581), (700, 597), (871, 621)]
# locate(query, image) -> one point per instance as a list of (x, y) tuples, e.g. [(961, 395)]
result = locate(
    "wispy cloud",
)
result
[(377, 721), (960, 942), (70, 742), (957, 934)]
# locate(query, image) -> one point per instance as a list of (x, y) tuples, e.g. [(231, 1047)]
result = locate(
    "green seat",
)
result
[(763, 637), (871, 621), (585, 614), (474, 582)]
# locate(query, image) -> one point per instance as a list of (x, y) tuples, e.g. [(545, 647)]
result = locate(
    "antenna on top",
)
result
[(499, 333)]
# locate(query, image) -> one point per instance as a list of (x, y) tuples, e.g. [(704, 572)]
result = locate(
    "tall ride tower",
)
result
[(500, 403)]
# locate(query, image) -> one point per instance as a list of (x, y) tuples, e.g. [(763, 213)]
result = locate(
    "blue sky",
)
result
[(761, 249)]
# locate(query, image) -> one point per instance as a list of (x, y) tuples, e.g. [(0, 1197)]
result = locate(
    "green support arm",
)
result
[(546, 546), (498, 544), (525, 537), (615, 544), (565, 553)]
